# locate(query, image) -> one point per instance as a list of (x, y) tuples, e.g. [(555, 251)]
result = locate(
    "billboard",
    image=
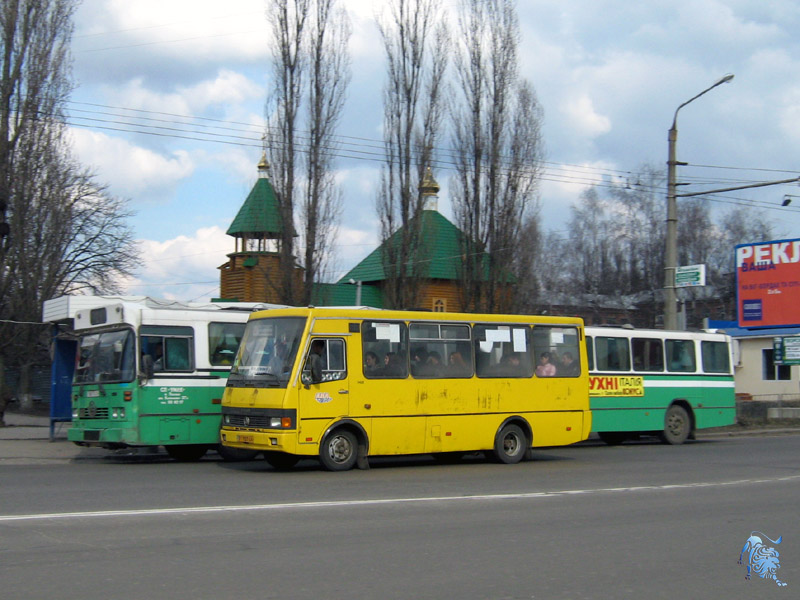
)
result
[(768, 283)]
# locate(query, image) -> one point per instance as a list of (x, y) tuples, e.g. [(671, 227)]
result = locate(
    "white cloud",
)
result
[(184, 267), (130, 170), (585, 120), (228, 88), (186, 30)]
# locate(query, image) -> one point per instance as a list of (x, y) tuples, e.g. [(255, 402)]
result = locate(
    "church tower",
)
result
[(253, 270)]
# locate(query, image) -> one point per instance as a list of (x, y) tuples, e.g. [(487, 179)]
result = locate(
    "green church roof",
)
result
[(439, 255), (260, 215)]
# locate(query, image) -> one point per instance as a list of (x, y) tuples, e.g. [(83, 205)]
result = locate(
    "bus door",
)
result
[(325, 389)]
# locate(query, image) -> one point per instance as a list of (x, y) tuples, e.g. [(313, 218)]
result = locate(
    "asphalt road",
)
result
[(589, 521)]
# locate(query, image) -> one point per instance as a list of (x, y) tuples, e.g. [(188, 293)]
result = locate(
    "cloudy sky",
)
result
[(169, 111)]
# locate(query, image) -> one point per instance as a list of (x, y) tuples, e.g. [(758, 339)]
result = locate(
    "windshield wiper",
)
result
[(258, 380)]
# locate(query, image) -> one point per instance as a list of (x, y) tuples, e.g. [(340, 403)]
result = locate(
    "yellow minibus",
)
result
[(343, 384)]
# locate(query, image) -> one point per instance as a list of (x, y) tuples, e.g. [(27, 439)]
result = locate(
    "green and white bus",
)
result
[(656, 382), (148, 372)]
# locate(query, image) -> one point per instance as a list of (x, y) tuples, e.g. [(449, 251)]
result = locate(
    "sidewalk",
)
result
[(26, 440), (30, 427)]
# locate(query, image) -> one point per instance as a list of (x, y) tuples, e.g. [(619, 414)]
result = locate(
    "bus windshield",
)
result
[(268, 351), (106, 357)]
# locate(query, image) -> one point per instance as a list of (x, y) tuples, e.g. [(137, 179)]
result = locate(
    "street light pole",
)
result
[(671, 251)]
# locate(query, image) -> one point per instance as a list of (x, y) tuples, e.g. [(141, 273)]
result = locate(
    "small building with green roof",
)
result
[(439, 260)]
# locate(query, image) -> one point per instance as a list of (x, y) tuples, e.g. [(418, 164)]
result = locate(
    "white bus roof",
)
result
[(66, 307)]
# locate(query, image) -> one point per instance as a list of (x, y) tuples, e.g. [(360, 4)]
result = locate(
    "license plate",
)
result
[(93, 393), (245, 439)]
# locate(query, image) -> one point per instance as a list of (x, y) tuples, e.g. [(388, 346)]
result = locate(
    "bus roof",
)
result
[(362, 312)]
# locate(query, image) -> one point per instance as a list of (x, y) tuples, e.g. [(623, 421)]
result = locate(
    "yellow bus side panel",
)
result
[(397, 435), (559, 428)]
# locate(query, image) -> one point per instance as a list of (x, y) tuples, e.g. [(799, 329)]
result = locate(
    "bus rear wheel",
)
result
[(677, 425), (510, 445), (187, 452)]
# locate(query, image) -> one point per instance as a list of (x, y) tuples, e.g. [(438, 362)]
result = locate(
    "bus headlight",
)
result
[(74, 414), (275, 422), (226, 419)]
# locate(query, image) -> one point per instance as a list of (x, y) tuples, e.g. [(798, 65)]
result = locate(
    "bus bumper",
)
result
[(106, 436), (277, 441)]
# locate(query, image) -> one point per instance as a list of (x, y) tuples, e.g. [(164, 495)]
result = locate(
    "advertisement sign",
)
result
[(768, 283), (786, 350), (601, 386)]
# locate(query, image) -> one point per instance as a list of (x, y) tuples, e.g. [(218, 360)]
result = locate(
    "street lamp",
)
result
[(671, 254)]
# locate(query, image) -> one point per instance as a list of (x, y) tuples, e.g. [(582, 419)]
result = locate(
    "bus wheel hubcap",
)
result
[(511, 444), (340, 449)]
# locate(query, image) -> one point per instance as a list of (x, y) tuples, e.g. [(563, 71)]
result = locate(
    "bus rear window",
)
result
[(715, 357)]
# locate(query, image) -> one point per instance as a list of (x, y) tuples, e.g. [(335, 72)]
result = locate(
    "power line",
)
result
[(350, 147)]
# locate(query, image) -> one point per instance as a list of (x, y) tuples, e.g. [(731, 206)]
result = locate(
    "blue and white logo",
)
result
[(760, 558)]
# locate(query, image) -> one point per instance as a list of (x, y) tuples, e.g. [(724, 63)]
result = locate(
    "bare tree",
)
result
[(311, 72), (287, 19), (498, 149), (415, 42), (329, 75), (66, 233)]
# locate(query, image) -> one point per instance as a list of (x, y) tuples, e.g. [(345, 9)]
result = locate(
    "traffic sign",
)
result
[(690, 276)]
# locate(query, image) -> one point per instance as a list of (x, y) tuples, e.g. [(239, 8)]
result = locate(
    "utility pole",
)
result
[(671, 250)]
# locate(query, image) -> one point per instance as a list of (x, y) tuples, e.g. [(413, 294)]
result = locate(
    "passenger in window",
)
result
[(370, 362), (158, 357), (393, 366), (419, 358), (433, 364), (314, 361), (456, 364), (569, 368), (545, 368), (510, 365)]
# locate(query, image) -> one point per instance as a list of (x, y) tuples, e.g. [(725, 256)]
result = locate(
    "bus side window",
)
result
[(385, 349), (612, 354), (556, 351), (502, 351), (177, 355), (333, 360), (648, 355), (681, 356), (223, 341)]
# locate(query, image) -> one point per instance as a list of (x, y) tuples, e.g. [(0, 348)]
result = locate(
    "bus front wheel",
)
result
[(339, 450), (677, 425), (510, 445), (280, 461)]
